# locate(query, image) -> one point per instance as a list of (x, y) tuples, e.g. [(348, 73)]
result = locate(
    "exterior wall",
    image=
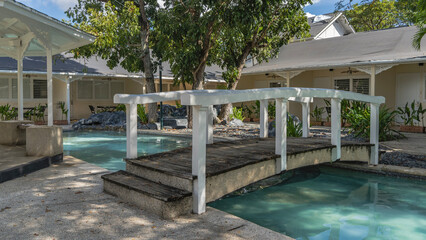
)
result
[(59, 94)]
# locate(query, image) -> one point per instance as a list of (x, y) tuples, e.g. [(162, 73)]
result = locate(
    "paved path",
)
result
[(66, 201), (415, 144)]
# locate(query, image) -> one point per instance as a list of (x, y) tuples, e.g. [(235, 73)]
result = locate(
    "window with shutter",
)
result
[(342, 84), (361, 86), (40, 89), (4, 88)]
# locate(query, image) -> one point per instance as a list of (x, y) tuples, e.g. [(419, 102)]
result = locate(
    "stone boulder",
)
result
[(236, 123)]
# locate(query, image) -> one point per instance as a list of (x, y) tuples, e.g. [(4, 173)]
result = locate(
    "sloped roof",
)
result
[(94, 66), (320, 22), (363, 48)]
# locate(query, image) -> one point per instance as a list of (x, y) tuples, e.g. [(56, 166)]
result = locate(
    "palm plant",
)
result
[(421, 24)]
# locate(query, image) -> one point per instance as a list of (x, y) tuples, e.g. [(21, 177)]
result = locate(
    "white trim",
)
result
[(326, 27)]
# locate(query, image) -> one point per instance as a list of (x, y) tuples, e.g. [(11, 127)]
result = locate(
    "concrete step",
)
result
[(168, 174), (166, 201)]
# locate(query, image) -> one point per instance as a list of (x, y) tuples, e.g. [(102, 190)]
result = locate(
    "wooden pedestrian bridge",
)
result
[(184, 180)]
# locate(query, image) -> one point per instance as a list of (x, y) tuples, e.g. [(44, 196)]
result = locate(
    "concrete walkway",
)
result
[(414, 143), (66, 201)]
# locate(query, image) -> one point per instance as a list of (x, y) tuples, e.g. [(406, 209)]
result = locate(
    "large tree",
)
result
[(257, 29), (420, 21), (122, 29), (185, 32), (367, 15)]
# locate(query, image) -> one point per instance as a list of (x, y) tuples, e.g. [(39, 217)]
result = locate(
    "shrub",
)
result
[(120, 107), (317, 113), (7, 112), (409, 114), (294, 128), (142, 114), (237, 113), (358, 116), (64, 110)]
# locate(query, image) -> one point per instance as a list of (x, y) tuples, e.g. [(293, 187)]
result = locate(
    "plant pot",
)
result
[(247, 119), (60, 122), (255, 119), (413, 129), (327, 124), (39, 123), (315, 123)]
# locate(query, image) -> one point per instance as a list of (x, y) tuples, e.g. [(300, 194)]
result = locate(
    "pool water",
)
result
[(327, 203), (107, 149)]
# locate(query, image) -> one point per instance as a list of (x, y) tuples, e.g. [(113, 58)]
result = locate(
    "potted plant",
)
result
[(316, 115), (409, 114), (64, 112)]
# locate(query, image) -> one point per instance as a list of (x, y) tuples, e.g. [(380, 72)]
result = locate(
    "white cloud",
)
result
[(309, 15)]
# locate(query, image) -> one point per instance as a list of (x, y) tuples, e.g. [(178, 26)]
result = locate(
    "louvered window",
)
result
[(40, 89), (361, 85), (342, 84), (26, 86), (4, 88)]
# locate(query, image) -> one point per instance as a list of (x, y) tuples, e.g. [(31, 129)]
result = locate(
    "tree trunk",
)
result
[(225, 110), (146, 59)]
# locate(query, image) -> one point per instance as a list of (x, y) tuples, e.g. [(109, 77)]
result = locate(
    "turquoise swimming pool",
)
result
[(327, 203), (107, 149)]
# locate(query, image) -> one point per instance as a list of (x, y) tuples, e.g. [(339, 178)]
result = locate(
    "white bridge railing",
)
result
[(202, 102)]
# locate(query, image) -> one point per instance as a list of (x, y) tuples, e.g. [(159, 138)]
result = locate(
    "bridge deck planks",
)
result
[(226, 156)]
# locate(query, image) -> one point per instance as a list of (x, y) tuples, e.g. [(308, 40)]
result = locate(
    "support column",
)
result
[(68, 102), (199, 158), (209, 128), (132, 130), (20, 86), (374, 133), (281, 134), (263, 118), (49, 87), (336, 128), (305, 119), (373, 81)]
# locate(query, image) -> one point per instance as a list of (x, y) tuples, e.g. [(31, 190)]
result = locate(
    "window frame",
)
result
[(93, 80), (31, 83), (282, 82), (351, 81)]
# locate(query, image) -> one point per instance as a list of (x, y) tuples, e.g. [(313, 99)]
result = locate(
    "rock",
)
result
[(236, 123), (104, 120), (271, 125), (153, 126), (175, 123), (224, 122)]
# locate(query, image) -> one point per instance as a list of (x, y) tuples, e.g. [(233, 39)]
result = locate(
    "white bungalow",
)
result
[(381, 63)]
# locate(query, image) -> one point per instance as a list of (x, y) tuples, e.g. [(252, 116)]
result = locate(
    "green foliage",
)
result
[(317, 113), (358, 117), (294, 128), (178, 105), (221, 86), (367, 15), (64, 109), (409, 113), (420, 20), (255, 109), (120, 107), (7, 112), (237, 113), (247, 110), (142, 113), (38, 112)]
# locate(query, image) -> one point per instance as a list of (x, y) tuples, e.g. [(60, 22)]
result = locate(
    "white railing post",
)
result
[(281, 134), (305, 119), (336, 128), (263, 118), (199, 118), (132, 130), (374, 133), (209, 128)]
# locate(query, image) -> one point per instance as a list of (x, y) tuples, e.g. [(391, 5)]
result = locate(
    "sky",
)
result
[(56, 8)]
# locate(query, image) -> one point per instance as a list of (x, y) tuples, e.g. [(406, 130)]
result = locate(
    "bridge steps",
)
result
[(229, 166), (165, 201)]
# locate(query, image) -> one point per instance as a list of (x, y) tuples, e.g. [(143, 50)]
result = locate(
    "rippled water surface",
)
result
[(107, 149), (326, 203)]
